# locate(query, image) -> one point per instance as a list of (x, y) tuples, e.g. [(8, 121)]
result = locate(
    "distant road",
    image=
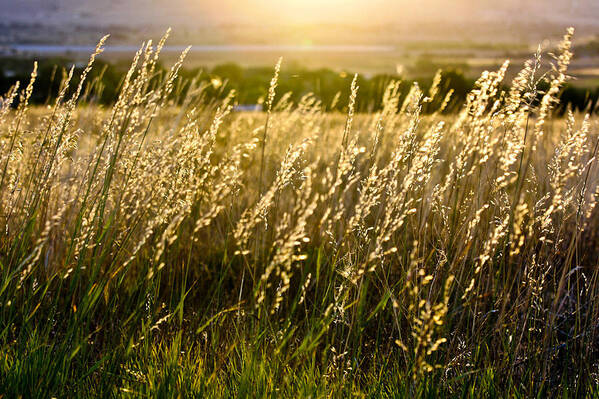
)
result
[(50, 49)]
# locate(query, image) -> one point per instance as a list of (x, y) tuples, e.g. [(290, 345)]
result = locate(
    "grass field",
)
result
[(167, 247)]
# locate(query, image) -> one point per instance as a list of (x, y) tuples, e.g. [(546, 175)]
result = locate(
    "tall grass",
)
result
[(156, 249)]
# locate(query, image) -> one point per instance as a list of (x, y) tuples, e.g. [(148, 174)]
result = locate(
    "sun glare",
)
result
[(318, 11)]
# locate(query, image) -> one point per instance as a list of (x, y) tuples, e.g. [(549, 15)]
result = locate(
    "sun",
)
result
[(289, 11)]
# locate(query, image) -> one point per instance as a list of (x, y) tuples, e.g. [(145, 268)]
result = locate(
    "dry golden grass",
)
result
[(458, 249)]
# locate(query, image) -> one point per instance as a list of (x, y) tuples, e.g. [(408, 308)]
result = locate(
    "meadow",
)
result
[(165, 245)]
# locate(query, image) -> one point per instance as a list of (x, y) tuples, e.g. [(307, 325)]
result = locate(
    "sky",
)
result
[(446, 17), (296, 10)]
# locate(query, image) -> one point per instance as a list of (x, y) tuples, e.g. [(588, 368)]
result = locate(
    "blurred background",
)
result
[(236, 40)]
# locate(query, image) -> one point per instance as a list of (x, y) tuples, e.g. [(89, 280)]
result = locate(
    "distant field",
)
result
[(413, 59)]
